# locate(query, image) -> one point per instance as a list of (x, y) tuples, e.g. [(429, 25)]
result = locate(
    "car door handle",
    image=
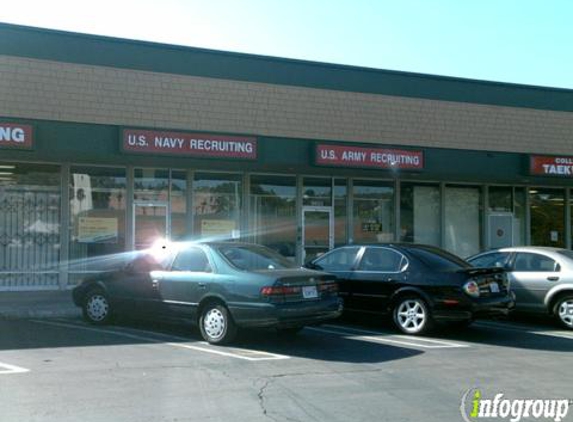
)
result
[(201, 285), (553, 278)]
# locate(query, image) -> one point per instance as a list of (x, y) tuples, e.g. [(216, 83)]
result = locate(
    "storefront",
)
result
[(77, 194)]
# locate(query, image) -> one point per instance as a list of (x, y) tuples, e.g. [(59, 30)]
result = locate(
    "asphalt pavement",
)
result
[(61, 369)]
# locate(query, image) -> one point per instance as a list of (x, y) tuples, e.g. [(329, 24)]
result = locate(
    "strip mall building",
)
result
[(108, 144)]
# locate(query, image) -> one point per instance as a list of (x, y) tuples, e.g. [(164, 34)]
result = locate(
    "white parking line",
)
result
[(6, 369), (384, 337), (522, 328), (206, 347)]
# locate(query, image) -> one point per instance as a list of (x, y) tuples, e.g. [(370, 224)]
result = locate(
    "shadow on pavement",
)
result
[(519, 331), (31, 334)]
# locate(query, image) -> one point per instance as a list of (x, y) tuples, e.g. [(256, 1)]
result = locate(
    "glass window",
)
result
[(420, 214), (191, 259), (340, 212), (30, 201), (500, 199), (178, 203), (217, 205), (495, 259), (254, 258), (438, 259), (272, 217), (373, 211), (381, 259), (97, 213), (463, 222), (151, 185), (342, 259), (547, 217), (531, 262), (317, 192), (519, 217)]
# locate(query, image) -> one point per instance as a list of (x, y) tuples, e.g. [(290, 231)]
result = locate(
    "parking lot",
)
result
[(66, 370)]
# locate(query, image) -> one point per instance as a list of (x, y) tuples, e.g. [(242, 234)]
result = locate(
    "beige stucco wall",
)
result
[(41, 89)]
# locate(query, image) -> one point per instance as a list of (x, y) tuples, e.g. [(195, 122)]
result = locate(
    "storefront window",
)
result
[(462, 220), (519, 215), (340, 211), (97, 217), (29, 226), (178, 205), (420, 214), (151, 185), (216, 205), (273, 213), (547, 217), (373, 211), (317, 192)]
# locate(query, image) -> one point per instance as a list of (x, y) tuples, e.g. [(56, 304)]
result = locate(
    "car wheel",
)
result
[(412, 316), (216, 324), (97, 308), (564, 311)]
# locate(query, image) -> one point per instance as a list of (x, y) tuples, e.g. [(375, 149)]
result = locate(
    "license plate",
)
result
[(309, 292), (494, 287)]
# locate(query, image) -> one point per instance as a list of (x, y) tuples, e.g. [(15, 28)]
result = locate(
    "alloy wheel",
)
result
[(566, 312), (411, 316)]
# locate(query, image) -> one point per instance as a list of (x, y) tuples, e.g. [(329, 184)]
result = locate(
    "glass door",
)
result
[(150, 223), (317, 236)]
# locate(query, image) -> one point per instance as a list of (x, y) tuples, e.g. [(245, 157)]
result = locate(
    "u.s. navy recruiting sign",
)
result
[(191, 144)]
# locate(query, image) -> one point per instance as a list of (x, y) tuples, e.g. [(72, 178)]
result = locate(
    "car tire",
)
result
[(216, 324), (97, 308), (563, 311), (412, 315)]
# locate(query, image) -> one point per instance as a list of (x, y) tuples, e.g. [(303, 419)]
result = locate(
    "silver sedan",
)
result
[(540, 277)]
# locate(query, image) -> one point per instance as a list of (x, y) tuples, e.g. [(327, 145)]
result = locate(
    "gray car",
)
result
[(540, 277)]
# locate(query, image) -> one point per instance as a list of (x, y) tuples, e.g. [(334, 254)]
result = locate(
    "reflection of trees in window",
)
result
[(221, 199)]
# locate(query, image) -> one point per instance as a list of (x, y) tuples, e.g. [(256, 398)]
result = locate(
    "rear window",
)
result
[(438, 259), (253, 258)]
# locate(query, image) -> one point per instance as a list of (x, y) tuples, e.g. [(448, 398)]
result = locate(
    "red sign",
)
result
[(14, 135), (192, 144), (351, 156), (551, 166)]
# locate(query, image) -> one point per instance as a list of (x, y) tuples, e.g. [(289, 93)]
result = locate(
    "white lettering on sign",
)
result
[(354, 156), (12, 134), (557, 169), (220, 146), (165, 142)]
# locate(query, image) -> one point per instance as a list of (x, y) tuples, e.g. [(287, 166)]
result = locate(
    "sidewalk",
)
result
[(37, 304)]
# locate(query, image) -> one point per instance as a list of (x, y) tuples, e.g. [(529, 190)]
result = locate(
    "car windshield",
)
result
[(438, 259), (253, 258)]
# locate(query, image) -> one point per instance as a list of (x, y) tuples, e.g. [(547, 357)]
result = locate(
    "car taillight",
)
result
[(280, 290), (471, 288)]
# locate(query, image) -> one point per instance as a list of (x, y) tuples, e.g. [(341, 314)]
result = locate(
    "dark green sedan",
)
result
[(220, 286)]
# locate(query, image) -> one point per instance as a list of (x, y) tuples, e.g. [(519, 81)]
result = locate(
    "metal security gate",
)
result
[(29, 238)]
